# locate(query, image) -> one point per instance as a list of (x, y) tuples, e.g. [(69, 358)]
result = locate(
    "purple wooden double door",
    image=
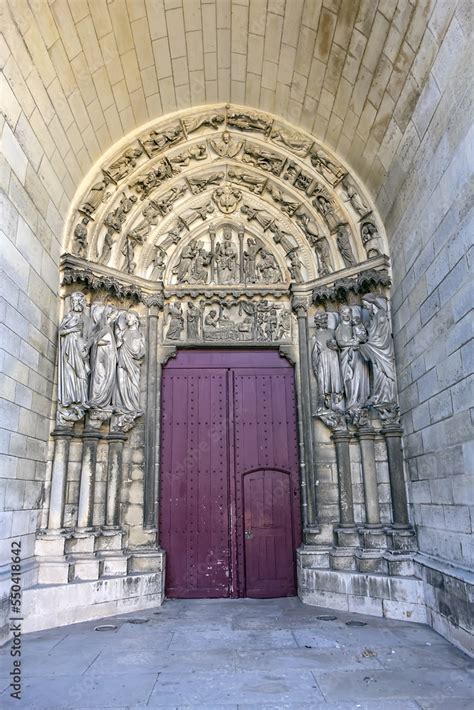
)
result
[(229, 502)]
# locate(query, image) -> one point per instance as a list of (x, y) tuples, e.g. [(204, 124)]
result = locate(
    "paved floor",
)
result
[(244, 654)]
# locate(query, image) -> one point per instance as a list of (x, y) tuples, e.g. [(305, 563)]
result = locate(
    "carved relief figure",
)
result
[(295, 266), (345, 343), (378, 350), (185, 260), (250, 259), (351, 195), (199, 184), (128, 251), (212, 120), (225, 147), (227, 259), (325, 363), (164, 204), (261, 158), (247, 121), (292, 140), (199, 271), (268, 268), (124, 165), (371, 239), (103, 356), (326, 209), (159, 264), (176, 321), (97, 195), (196, 152), (286, 204), (130, 352), (263, 218), (158, 141), (319, 244), (344, 245), (73, 363), (193, 320), (146, 182), (326, 167), (254, 183), (360, 381), (80, 238)]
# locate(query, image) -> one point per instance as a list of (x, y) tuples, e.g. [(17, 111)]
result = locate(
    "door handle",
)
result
[(248, 534)]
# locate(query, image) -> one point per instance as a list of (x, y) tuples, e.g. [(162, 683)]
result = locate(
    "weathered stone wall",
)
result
[(427, 204)]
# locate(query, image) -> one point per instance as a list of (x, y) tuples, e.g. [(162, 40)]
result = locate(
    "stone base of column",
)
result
[(371, 561), (84, 566), (53, 570), (147, 561), (342, 558), (373, 538), (51, 543), (311, 535), (109, 539), (313, 557), (113, 563), (402, 540), (399, 564), (81, 542), (347, 537)]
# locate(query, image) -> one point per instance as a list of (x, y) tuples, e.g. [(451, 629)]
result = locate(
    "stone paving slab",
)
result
[(241, 655)]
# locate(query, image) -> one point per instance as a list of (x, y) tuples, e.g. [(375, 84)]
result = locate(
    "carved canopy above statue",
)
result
[(224, 197)]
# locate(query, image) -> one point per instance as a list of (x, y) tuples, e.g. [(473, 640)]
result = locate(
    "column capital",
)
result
[(366, 433), (339, 435), (62, 432), (300, 305), (392, 429)]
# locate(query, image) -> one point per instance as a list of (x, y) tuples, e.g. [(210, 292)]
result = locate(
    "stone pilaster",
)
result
[(85, 511), (114, 477), (393, 438), (151, 481)]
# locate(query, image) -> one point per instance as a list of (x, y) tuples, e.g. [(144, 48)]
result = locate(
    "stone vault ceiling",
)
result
[(86, 73)]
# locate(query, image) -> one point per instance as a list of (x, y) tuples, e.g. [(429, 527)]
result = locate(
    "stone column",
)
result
[(393, 439), (114, 479), (57, 497), (366, 437), (341, 439), (151, 482), (85, 511), (310, 525)]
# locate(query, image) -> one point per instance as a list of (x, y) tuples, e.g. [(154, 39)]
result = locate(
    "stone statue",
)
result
[(295, 266), (212, 120), (73, 358), (345, 343), (326, 167), (130, 352), (227, 259), (352, 196), (124, 165), (326, 209), (325, 363), (97, 195), (80, 238), (158, 141), (146, 182), (253, 183), (176, 321), (294, 141), (371, 239), (268, 268), (263, 218), (344, 245), (164, 204), (103, 356), (360, 381), (128, 251), (378, 350), (286, 204), (193, 320), (225, 147)]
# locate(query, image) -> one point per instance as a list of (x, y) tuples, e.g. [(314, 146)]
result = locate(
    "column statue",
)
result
[(378, 350), (73, 366)]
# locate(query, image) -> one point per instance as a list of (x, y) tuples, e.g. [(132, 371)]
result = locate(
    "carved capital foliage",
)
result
[(364, 282), (300, 305)]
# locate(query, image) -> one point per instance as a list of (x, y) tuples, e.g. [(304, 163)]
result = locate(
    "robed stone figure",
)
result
[(130, 352), (325, 361), (103, 356), (378, 350), (74, 366)]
